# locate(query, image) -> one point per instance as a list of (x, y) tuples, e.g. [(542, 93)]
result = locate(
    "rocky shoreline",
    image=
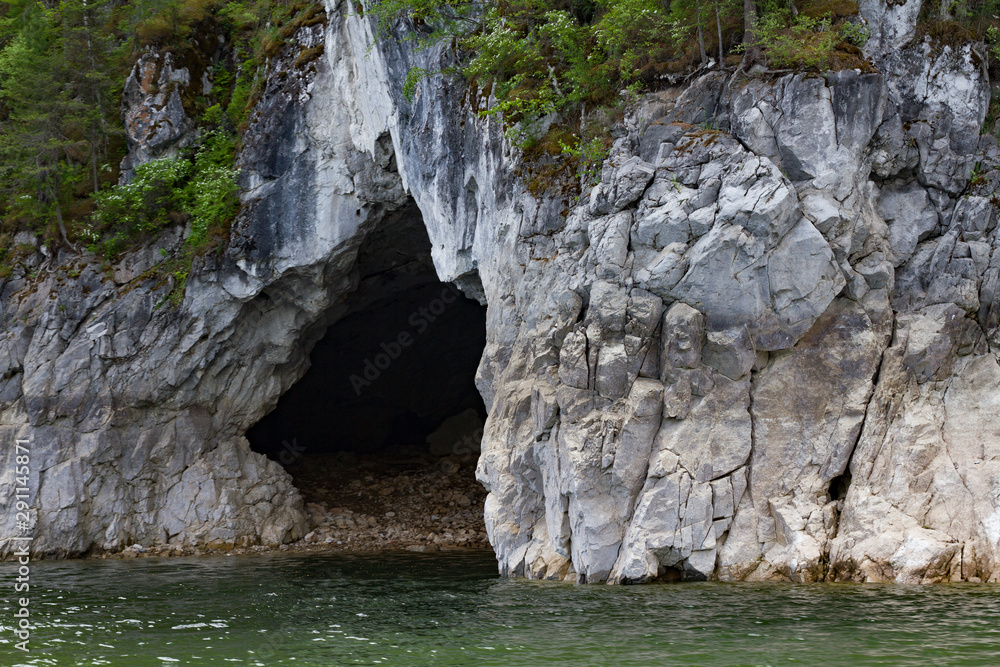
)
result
[(403, 500)]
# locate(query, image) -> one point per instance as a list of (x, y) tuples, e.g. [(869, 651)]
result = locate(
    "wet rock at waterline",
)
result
[(765, 350)]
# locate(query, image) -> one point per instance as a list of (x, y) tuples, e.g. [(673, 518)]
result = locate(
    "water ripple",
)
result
[(451, 609)]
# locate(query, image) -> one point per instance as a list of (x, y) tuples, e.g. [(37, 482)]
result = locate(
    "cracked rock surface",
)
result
[(765, 350)]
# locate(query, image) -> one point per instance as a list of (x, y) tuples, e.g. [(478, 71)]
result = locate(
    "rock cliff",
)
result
[(763, 346)]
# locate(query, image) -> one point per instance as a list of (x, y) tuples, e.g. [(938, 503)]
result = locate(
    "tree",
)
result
[(32, 144), (718, 27), (701, 33), (55, 84), (749, 32), (86, 52)]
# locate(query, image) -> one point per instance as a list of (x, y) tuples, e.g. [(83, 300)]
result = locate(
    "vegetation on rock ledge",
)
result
[(557, 71), (554, 68), (63, 64)]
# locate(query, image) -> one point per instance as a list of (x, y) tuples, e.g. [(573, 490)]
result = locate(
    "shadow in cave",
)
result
[(382, 433)]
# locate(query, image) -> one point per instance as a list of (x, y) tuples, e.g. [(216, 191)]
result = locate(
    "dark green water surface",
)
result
[(452, 609)]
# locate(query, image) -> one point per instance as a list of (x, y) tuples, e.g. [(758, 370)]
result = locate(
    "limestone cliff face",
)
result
[(763, 350)]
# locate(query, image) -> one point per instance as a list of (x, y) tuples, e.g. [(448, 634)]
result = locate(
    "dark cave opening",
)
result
[(398, 363), (839, 485), (382, 433)]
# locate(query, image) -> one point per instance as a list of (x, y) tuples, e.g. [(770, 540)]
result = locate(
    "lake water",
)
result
[(452, 609)]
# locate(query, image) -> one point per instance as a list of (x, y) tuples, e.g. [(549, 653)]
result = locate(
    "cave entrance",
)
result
[(382, 433)]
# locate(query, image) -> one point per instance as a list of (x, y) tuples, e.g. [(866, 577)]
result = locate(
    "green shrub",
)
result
[(212, 196), (590, 155), (413, 79), (166, 191), (139, 207), (796, 42), (549, 64), (629, 29), (855, 33)]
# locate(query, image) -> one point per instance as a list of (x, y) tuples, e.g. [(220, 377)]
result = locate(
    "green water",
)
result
[(452, 609)]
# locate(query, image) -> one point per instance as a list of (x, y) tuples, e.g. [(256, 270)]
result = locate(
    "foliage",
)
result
[(448, 18), (212, 194), (63, 64), (855, 33), (413, 79), (993, 41), (59, 125), (589, 154), (141, 206), (545, 62), (799, 42), (201, 190), (630, 30)]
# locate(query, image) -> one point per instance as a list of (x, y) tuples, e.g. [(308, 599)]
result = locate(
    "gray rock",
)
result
[(714, 439), (462, 432), (662, 131), (706, 367), (683, 337), (730, 352), (910, 215), (625, 187), (156, 124), (934, 340)]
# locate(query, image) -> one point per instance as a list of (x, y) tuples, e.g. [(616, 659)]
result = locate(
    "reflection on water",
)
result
[(452, 609)]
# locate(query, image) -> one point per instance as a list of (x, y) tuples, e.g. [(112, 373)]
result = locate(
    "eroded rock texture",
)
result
[(764, 350)]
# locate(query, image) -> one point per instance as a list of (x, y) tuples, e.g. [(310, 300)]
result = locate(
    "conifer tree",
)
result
[(58, 115)]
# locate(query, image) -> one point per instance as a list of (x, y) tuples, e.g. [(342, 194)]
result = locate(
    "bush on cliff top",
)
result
[(574, 59), (542, 56)]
